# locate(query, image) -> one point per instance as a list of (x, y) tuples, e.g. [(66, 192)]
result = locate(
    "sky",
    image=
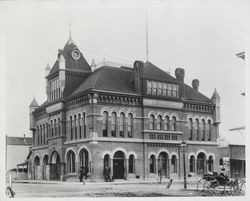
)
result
[(203, 37)]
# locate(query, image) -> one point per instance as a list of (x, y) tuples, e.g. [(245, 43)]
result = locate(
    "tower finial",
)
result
[(147, 34)]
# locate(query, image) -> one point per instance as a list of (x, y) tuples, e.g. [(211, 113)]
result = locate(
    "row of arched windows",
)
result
[(210, 164), (152, 163), (160, 124), (46, 130), (77, 126), (199, 129), (116, 129)]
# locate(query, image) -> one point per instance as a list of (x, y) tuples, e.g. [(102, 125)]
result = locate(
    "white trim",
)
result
[(163, 150), (166, 114), (66, 153), (80, 149), (199, 151), (105, 109), (174, 115), (37, 155), (152, 153), (116, 92), (116, 111), (152, 113), (44, 156), (132, 153), (211, 154), (163, 132), (191, 154), (106, 152), (174, 154), (119, 149), (132, 112)]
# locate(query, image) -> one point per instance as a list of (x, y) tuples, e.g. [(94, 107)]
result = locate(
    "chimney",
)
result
[(138, 71), (180, 74), (195, 84)]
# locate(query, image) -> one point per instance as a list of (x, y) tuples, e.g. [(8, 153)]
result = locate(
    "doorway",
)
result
[(118, 165)]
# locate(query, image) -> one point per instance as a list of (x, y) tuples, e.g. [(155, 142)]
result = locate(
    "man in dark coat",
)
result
[(81, 173), (106, 173)]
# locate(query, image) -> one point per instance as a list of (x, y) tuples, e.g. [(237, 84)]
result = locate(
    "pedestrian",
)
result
[(81, 174), (106, 173), (223, 174)]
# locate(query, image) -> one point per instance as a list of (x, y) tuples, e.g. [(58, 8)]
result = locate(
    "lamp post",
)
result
[(184, 147)]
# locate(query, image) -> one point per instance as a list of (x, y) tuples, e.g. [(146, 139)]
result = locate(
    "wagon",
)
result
[(217, 185)]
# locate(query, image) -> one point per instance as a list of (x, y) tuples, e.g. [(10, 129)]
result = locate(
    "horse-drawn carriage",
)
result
[(217, 185)]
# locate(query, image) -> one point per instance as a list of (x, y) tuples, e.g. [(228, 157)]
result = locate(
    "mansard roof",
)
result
[(193, 95), (70, 63), (109, 79)]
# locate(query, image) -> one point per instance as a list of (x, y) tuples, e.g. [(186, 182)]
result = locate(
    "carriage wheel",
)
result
[(211, 187), (240, 189), (229, 189), (200, 185)]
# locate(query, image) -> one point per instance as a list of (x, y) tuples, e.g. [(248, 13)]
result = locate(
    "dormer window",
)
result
[(162, 89), (55, 92)]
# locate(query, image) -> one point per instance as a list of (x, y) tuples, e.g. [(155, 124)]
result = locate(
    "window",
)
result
[(174, 127), (55, 126), (197, 128), (113, 124), (152, 164), (44, 134), (159, 89), (174, 90), (80, 125), (105, 124), (54, 89), (174, 164), (52, 129), (169, 90), (210, 164), (71, 162), (75, 126), (154, 88), (149, 87), (84, 124), (166, 123), (122, 124), (131, 163), (151, 122), (209, 130), (130, 125), (190, 128), (164, 89), (59, 126), (192, 164), (41, 135), (203, 125), (159, 123), (37, 134), (71, 128)]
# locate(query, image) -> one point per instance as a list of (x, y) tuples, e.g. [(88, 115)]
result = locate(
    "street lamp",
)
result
[(184, 147)]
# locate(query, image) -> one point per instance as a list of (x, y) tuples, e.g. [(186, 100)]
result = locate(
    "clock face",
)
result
[(75, 54)]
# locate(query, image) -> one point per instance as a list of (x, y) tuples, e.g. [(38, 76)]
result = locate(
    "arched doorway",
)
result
[(84, 160), (36, 167), (201, 166), (163, 164), (119, 165), (55, 168), (71, 161), (45, 167)]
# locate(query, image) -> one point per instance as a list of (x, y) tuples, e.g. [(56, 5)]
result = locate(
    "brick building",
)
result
[(131, 119)]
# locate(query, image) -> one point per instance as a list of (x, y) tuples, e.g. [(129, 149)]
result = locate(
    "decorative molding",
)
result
[(121, 100), (197, 108)]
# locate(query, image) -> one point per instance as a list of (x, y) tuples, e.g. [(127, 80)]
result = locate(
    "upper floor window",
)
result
[(151, 122), (203, 125), (54, 89), (209, 130), (130, 125), (84, 124), (159, 123), (190, 128), (166, 123), (80, 125), (113, 124), (122, 124), (162, 89), (105, 124), (174, 126)]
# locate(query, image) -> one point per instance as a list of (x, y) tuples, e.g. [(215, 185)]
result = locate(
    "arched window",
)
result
[(152, 164), (71, 162), (38, 136), (209, 130), (166, 123), (131, 164), (203, 125), (197, 128), (75, 126), (210, 164), (174, 127), (80, 125), (44, 134), (122, 124), (190, 128), (55, 127), (105, 120), (41, 135), (84, 124), (59, 126), (113, 124), (159, 123), (174, 164), (71, 128), (151, 122), (52, 128), (130, 125), (192, 164)]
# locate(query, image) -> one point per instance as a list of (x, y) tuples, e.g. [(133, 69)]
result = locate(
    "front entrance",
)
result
[(163, 164), (118, 165), (55, 168), (201, 167)]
